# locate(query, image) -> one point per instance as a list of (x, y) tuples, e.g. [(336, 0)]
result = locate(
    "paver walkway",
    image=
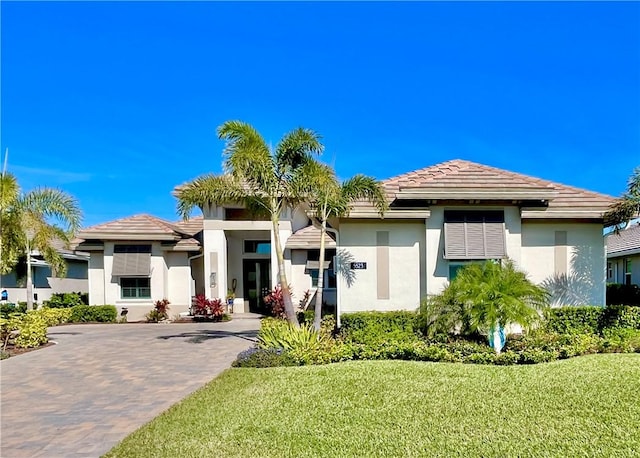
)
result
[(101, 382)]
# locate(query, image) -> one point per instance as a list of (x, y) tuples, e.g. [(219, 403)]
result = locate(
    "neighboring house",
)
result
[(138, 260), (44, 283), (440, 218), (623, 256)]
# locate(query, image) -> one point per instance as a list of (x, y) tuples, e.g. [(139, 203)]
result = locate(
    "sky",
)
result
[(118, 102)]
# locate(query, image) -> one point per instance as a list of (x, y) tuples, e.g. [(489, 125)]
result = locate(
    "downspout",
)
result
[(190, 258), (315, 223)]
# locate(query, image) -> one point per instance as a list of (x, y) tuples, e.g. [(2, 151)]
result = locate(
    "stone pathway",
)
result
[(79, 398)]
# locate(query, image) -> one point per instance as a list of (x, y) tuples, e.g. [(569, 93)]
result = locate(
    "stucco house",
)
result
[(440, 218), (623, 256), (44, 282)]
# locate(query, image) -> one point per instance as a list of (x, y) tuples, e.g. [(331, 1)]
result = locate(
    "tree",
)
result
[(492, 295), (329, 198), (626, 207), (34, 221), (265, 180)]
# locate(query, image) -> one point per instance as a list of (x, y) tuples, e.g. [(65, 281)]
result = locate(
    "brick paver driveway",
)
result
[(81, 397)]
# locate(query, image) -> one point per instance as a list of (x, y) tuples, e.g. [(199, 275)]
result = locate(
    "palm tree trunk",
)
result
[(29, 280), (282, 275), (317, 318)]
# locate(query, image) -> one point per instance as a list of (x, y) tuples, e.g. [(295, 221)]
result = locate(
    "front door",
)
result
[(257, 283)]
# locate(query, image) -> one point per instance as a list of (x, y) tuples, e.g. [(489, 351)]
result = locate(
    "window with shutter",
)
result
[(474, 235)]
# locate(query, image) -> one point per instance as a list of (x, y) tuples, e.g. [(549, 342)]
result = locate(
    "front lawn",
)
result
[(586, 406)]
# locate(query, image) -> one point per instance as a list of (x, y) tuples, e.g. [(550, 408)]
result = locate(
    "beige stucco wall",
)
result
[(585, 253), (438, 268), (170, 279), (406, 265)]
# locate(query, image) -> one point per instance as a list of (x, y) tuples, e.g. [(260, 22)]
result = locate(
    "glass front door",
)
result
[(257, 283)]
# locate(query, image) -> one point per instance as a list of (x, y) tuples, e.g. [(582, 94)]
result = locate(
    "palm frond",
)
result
[(361, 187), (208, 190), (9, 190), (628, 206), (246, 155), (295, 148), (56, 204)]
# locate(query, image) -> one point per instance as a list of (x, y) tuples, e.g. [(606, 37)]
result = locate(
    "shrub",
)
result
[(438, 315), (617, 340), (264, 357), (377, 327), (160, 311), (620, 316), (33, 330), (64, 300), (275, 301), (280, 334), (55, 316), (208, 309), (93, 313), (618, 294), (8, 309), (573, 320)]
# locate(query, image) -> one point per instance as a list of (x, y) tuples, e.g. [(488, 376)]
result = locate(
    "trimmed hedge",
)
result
[(93, 313), (592, 319), (378, 327), (574, 320)]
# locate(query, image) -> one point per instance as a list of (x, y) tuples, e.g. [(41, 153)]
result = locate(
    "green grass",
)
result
[(586, 406)]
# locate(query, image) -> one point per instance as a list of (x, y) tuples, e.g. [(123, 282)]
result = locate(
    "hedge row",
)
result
[(592, 319)]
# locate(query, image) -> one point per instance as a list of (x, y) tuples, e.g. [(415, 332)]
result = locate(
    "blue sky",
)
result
[(118, 102)]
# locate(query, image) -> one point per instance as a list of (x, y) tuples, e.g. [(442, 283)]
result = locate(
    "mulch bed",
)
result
[(12, 350)]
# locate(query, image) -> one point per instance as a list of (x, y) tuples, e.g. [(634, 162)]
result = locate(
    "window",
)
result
[(474, 235), (242, 214), (257, 246), (609, 270), (313, 264), (627, 271), (135, 288), (132, 249)]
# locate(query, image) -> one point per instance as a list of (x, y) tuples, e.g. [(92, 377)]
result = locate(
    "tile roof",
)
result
[(309, 238), (192, 226), (144, 227), (452, 179), (625, 242)]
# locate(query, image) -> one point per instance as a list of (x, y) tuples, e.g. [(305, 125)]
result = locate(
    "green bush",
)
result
[(620, 316), (55, 316), (378, 327), (64, 300), (617, 340), (8, 309), (623, 294), (574, 320), (93, 313), (33, 330)]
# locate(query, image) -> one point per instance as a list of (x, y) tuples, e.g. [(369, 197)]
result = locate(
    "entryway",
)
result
[(257, 283)]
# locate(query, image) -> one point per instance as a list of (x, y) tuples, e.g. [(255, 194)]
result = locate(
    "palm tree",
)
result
[(9, 193), (493, 295), (32, 222), (628, 206), (330, 198), (265, 180)]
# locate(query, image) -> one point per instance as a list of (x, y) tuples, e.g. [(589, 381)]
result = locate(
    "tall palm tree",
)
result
[(628, 206), (330, 198), (264, 179), (33, 222), (9, 193)]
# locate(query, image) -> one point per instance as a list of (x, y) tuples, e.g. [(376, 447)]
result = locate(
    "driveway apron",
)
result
[(101, 382)]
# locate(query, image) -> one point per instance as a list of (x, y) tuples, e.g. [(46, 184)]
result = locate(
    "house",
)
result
[(623, 256), (440, 218), (44, 282)]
